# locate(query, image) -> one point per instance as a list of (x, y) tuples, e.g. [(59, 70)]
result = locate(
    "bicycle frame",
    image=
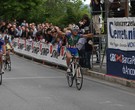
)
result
[(74, 65)]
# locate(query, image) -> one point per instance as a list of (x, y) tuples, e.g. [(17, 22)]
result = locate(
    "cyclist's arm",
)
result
[(60, 32), (10, 44), (90, 35)]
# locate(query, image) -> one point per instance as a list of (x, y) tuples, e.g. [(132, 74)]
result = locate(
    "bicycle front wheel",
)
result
[(4, 65), (70, 79), (1, 74), (79, 78), (0, 78)]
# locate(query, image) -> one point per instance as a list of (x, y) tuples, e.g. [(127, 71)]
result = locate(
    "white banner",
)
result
[(121, 33), (40, 51)]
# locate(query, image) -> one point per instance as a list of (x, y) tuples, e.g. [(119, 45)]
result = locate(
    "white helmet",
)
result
[(75, 27)]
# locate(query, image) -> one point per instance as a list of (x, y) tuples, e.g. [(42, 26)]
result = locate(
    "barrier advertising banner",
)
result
[(41, 51), (121, 63), (121, 47)]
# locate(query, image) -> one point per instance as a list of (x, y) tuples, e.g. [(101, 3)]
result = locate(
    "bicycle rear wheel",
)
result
[(4, 65), (79, 78), (70, 79)]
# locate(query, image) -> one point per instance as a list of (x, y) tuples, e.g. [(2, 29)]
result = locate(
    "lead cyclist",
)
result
[(8, 46), (72, 40)]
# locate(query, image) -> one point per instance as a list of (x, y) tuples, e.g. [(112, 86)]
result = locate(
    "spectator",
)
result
[(16, 32), (31, 33), (3, 27), (48, 36), (86, 50), (96, 12), (23, 23), (19, 31), (23, 32), (34, 30)]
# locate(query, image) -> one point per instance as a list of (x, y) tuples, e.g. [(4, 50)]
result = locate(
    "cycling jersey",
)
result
[(8, 47), (71, 46), (72, 41)]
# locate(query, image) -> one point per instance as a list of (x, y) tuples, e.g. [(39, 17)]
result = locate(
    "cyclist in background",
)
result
[(2, 52), (8, 45), (72, 40)]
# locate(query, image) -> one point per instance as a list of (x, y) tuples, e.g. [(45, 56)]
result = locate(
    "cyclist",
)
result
[(8, 47), (72, 40), (2, 52)]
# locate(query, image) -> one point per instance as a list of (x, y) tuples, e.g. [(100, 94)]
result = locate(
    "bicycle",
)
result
[(75, 74), (7, 62)]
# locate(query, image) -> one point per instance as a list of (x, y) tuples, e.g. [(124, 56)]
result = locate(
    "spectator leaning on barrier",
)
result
[(48, 36), (19, 31), (86, 47)]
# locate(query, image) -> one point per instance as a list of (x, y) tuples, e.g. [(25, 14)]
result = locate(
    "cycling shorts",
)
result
[(73, 51), (8, 47)]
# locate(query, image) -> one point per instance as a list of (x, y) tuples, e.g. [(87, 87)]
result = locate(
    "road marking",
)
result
[(50, 77), (111, 103)]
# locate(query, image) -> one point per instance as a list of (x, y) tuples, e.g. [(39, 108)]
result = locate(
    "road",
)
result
[(33, 86)]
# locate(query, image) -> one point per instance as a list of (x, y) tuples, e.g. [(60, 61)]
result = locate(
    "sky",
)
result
[(86, 2)]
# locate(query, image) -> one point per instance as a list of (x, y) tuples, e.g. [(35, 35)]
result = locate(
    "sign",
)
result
[(40, 50), (121, 33), (121, 63), (121, 47)]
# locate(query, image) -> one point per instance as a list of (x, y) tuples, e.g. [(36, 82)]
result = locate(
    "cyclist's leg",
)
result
[(75, 52), (8, 55), (68, 57)]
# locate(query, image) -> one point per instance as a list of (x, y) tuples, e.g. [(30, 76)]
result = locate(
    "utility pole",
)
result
[(126, 8)]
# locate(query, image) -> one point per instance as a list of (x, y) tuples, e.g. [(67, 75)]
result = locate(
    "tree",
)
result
[(59, 12), (19, 9), (63, 12)]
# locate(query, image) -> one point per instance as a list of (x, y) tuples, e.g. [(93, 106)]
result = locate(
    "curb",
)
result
[(114, 79)]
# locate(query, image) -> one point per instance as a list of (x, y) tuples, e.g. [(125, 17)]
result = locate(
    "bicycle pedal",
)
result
[(78, 82)]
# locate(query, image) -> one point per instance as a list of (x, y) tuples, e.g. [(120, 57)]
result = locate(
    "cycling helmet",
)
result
[(75, 27)]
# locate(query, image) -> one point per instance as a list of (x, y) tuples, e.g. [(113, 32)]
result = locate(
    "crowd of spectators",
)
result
[(47, 33), (33, 31)]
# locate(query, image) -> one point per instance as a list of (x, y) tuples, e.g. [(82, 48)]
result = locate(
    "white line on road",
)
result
[(52, 77)]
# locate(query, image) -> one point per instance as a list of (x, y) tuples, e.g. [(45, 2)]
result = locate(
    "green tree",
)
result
[(63, 12), (20, 9), (59, 12)]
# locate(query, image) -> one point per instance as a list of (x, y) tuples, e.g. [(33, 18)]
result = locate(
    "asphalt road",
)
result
[(33, 86)]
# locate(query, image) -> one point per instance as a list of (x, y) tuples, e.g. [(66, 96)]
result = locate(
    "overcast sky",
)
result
[(86, 2)]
